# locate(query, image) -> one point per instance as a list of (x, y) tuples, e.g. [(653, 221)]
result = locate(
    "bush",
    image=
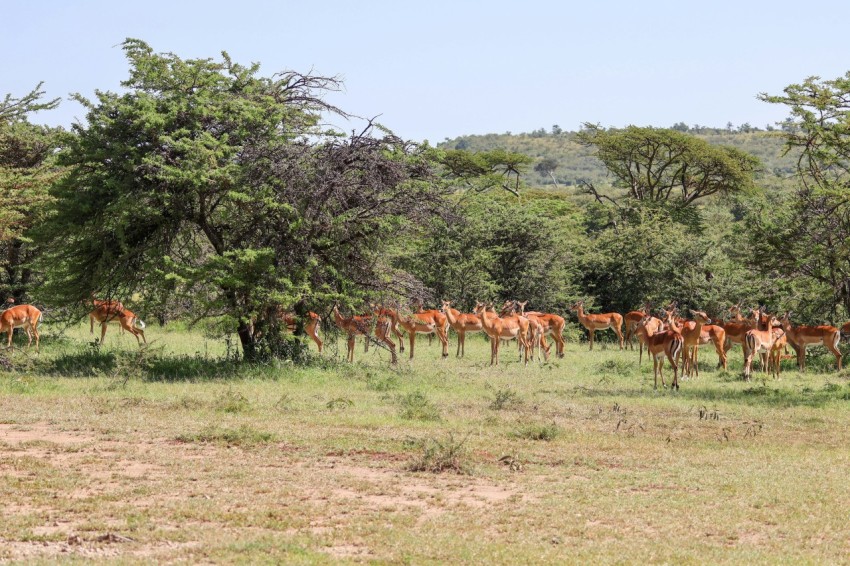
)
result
[(416, 406), (437, 457)]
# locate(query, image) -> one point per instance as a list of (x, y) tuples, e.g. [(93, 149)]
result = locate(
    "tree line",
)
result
[(207, 191)]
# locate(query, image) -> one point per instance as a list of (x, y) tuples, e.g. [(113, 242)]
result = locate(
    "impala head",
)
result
[(576, 305), (479, 308), (521, 306), (701, 316), (446, 305)]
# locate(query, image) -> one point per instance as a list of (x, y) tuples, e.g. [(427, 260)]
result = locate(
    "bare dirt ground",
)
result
[(83, 495)]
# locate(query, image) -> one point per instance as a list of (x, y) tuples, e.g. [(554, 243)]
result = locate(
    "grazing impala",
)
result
[(594, 322), (21, 316), (462, 323), (804, 336), (760, 341), (106, 312), (553, 325), (659, 344), (498, 328)]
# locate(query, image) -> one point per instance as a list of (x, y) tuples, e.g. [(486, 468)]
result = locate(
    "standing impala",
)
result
[(21, 316), (361, 326), (659, 344), (311, 326), (759, 340), (424, 323), (462, 323), (691, 331), (553, 325), (497, 328), (804, 336), (594, 322)]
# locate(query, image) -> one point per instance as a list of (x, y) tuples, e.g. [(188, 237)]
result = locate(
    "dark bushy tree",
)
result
[(206, 181)]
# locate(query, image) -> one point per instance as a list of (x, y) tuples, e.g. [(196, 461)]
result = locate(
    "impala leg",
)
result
[(351, 348), (103, 326), (833, 347), (695, 359), (412, 336), (444, 340), (619, 331), (591, 333)]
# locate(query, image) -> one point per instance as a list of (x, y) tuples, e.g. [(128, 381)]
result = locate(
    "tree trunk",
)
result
[(246, 337)]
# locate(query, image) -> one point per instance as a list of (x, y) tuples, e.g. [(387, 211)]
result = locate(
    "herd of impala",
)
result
[(667, 336)]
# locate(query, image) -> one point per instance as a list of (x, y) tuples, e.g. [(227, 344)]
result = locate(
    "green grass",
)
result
[(195, 458)]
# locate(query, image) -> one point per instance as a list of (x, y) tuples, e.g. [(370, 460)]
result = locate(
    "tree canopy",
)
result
[(209, 182), (661, 165)]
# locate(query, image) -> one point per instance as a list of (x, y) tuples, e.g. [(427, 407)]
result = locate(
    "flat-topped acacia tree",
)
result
[(204, 180)]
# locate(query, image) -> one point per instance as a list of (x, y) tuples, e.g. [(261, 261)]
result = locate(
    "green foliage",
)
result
[(27, 169), (417, 406), (503, 248), (538, 431), (209, 185), (809, 238), (661, 165)]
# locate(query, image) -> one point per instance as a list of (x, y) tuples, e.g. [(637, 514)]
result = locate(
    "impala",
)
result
[(553, 325), (462, 323), (594, 322), (312, 325), (21, 316), (392, 315), (535, 336), (632, 319), (691, 331), (774, 359), (104, 312), (114, 311), (736, 329), (497, 328), (659, 344), (360, 326), (423, 323), (760, 341), (804, 336)]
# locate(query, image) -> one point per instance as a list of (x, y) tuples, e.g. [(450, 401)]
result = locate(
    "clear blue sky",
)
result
[(434, 68)]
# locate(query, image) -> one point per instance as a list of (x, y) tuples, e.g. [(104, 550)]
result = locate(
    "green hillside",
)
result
[(576, 163)]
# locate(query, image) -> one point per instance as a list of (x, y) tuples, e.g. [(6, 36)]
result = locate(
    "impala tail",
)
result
[(676, 347), (751, 342), (139, 323)]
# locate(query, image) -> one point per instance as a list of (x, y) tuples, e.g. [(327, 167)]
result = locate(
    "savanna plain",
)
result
[(174, 454)]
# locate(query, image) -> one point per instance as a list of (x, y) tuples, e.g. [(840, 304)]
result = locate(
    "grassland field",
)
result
[(174, 454)]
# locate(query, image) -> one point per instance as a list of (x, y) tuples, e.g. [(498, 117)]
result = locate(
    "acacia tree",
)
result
[(811, 239), (667, 167), (27, 168), (206, 181)]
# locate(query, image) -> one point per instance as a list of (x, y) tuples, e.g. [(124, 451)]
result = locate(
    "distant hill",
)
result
[(576, 163)]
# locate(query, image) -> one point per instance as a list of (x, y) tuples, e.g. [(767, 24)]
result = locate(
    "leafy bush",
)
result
[(416, 406)]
